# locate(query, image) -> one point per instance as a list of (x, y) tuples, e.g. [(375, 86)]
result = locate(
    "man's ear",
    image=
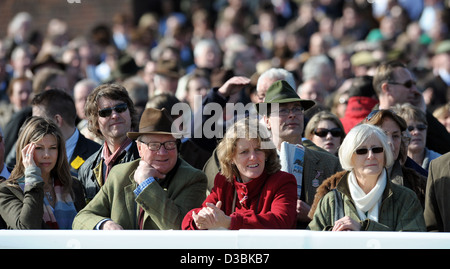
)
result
[(140, 149), (385, 89), (58, 120)]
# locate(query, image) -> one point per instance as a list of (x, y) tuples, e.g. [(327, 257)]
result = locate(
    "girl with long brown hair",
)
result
[(40, 193)]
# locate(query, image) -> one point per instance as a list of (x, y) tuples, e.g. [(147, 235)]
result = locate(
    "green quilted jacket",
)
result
[(400, 209)]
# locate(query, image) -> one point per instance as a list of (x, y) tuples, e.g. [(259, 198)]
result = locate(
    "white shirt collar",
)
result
[(445, 76)]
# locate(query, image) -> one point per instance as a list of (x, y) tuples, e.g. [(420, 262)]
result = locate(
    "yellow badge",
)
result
[(77, 162)]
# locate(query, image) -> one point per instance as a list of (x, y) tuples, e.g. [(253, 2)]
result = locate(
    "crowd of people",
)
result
[(339, 118)]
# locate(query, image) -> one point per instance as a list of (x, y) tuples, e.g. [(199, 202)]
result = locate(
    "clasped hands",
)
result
[(211, 217), (346, 224)]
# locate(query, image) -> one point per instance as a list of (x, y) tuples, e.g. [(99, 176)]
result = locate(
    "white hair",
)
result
[(355, 137), (203, 44), (278, 74)]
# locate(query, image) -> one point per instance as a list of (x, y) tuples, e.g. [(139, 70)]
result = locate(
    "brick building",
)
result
[(81, 15)]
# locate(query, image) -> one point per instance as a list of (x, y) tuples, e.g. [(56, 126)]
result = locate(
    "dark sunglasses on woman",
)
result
[(322, 132), (363, 151), (419, 127)]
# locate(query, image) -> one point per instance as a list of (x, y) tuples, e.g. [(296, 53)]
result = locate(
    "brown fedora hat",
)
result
[(154, 121)]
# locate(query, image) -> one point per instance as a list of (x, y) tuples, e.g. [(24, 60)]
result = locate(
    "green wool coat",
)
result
[(165, 201), (400, 210)]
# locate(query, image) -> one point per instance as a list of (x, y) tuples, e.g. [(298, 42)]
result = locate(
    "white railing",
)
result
[(242, 239)]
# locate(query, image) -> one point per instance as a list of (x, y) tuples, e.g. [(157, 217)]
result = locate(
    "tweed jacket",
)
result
[(165, 201), (437, 204), (318, 167), (400, 209)]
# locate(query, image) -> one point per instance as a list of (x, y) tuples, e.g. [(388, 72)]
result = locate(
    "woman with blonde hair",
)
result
[(40, 193), (417, 123), (250, 192), (368, 200), (442, 114)]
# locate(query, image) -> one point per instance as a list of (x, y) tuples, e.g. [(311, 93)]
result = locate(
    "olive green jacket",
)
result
[(437, 202), (165, 201), (400, 210)]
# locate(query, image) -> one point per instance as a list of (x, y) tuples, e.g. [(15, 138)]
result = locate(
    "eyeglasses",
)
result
[(419, 127), (297, 110), (155, 146), (322, 132), (106, 112), (408, 84), (363, 151)]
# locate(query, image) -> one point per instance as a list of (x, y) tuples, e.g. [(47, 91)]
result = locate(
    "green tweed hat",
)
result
[(281, 92)]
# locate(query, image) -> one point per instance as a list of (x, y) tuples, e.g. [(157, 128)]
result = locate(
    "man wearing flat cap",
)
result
[(154, 192), (283, 112)]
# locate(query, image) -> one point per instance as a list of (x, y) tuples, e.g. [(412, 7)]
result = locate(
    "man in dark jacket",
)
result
[(395, 84), (111, 114)]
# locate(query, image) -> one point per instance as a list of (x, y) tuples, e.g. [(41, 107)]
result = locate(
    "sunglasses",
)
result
[(408, 84), (363, 151), (419, 127), (322, 132), (106, 112)]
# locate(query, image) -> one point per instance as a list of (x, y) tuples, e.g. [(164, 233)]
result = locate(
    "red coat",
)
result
[(270, 204)]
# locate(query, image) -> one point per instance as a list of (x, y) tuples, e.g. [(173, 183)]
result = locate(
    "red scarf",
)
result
[(111, 158)]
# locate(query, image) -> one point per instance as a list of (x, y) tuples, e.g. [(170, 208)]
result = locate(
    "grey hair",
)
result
[(313, 66), (201, 45), (278, 74)]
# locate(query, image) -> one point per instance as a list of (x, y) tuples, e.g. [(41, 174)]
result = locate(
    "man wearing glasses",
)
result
[(111, 114), (154, 192), (284, 117), (395, 84)]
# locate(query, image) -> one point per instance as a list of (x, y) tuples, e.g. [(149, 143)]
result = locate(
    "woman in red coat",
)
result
[(250, 192)]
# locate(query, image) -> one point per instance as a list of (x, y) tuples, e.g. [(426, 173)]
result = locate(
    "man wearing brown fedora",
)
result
[(283, 112), (154, 192)]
